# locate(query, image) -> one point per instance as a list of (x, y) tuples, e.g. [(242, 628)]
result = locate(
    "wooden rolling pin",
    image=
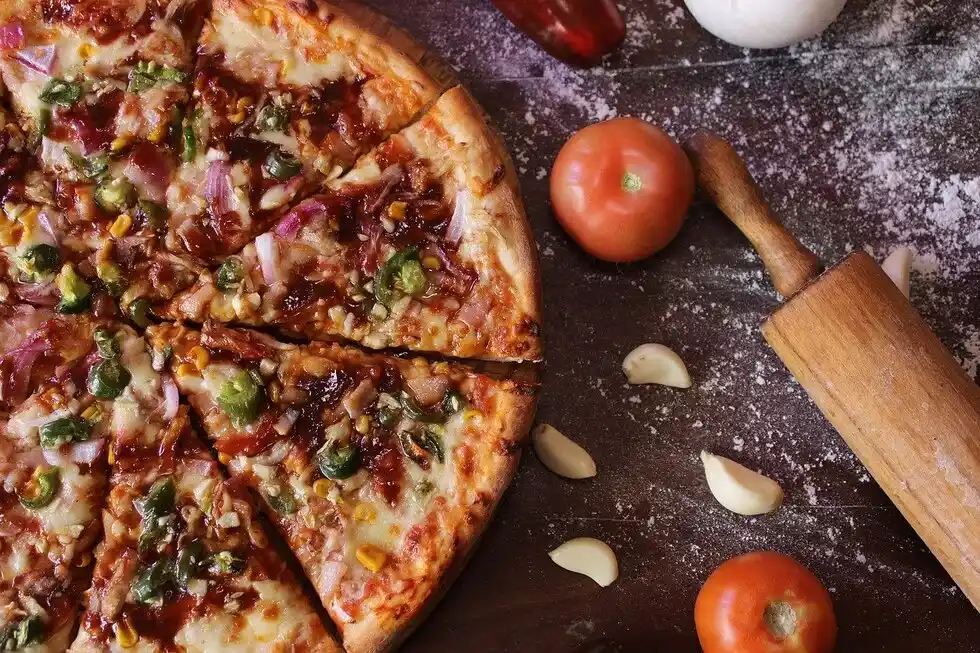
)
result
[(873, 367)]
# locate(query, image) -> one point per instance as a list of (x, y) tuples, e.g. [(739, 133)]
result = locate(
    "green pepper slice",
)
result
[(282, 165), (108, 379), (284, 502), (63, 430), (139, 312), (22, 634), (92, 167), (153, 214), (452, 403), (115, 195), (111, 277), (230, 274), (76, 294), (159, 499), (189, 560), (414, 411), (147, 73), (190, 143), (150, 583), (410, 278), (272, 118), (391, 271), (40, 260), (387, 415), (421, 447), (241, 398), (338, 461), (107, 344), (46, 485), (60, 92)]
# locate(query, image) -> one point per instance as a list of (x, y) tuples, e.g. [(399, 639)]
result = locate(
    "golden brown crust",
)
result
[(477, 159), (380, 633)]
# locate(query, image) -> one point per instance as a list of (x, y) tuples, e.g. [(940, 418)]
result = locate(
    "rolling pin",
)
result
[(873, 367)]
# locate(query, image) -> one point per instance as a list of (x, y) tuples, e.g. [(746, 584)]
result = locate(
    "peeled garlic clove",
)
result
[(561, 455), (651, 363), (590, 557), (897, 267), (738, 488)]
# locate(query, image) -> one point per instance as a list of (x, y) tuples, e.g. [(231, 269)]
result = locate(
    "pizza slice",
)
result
[(184, 564), (53, 471), (423, 245), (380, 472), (286, 94)]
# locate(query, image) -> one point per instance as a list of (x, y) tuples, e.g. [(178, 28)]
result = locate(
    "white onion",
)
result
[(428, 389), (54, 457), (285, 422), (86, 452), (457, 225), (277, 452), (39, 58), (171, 399), (331, 573), (268, 252), (32, 422)]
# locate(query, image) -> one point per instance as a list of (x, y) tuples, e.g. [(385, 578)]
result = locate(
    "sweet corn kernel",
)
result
[(442, 367), (363, 424), (126, 635), (470, 414), (321, 487), (365, 512), (394, 530), (119, 143), (244, 103), (262, 16), (158, 133), (83, 560), (92, 414), (10, 235), (237, 117), (85, 51), (431, 263), (396, 210), (201, 356), (224, 458), (186, 369), (112, 454), (371, 557), (121, 226), (27, 220)]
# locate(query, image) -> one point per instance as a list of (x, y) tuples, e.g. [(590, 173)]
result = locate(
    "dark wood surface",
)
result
[(865, 137)]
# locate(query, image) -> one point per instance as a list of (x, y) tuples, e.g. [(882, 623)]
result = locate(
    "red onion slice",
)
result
[(171, 398), (474, 311), (457, 225), (12, 35), (87, 452), (217, 186), (292, 222), (267, 250), (38, 294), (39, 58), (390, 177)]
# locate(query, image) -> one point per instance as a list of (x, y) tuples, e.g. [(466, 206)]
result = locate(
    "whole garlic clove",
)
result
[(560, 454), (653, 363), (590, 557), (897, 266), (738, 488)]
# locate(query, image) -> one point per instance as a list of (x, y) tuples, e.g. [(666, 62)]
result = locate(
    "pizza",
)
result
[(182, 182), (380, 472), (286, 95), (422, 245)]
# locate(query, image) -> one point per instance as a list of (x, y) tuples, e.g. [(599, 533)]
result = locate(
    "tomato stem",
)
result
[(631, 182), (780, 618)]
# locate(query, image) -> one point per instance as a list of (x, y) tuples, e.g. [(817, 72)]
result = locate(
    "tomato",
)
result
[(764, 602), (621, 189)]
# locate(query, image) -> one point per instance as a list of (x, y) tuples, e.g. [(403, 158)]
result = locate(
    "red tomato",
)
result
[(621, 188), (764, 602)]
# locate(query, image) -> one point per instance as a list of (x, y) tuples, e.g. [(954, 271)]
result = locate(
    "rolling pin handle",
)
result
[(724, 177)]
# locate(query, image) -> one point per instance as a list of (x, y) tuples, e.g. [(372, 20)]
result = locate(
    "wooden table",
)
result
[(865, 137)]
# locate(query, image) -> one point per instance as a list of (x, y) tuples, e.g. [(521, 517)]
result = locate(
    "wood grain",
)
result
[(898, 398), (722, 175)]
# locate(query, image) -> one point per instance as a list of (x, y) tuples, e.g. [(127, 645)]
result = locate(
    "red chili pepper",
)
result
[(577, 31)]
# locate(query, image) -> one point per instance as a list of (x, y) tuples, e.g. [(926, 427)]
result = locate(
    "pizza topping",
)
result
[(45, 484), (154, 507), (139, 312), (272, 117), (149, 584), (76, 294), (371, 557), (11, 38), (230, 274), (421, 446), (242, 397), (23, 633), (148, 74), (402, 272), (115, 195), (282, 165), (64, 430), (60, 92), (108, 378), (339, 457), (39, 260)]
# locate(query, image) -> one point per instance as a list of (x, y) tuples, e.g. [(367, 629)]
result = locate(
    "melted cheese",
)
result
[(241, 38), (72, 507)]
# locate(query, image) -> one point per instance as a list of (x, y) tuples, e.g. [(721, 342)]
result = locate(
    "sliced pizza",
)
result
[(13, 152), (423, 245), (286, 94), (380, 472), (53, 473), (183, 565)]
